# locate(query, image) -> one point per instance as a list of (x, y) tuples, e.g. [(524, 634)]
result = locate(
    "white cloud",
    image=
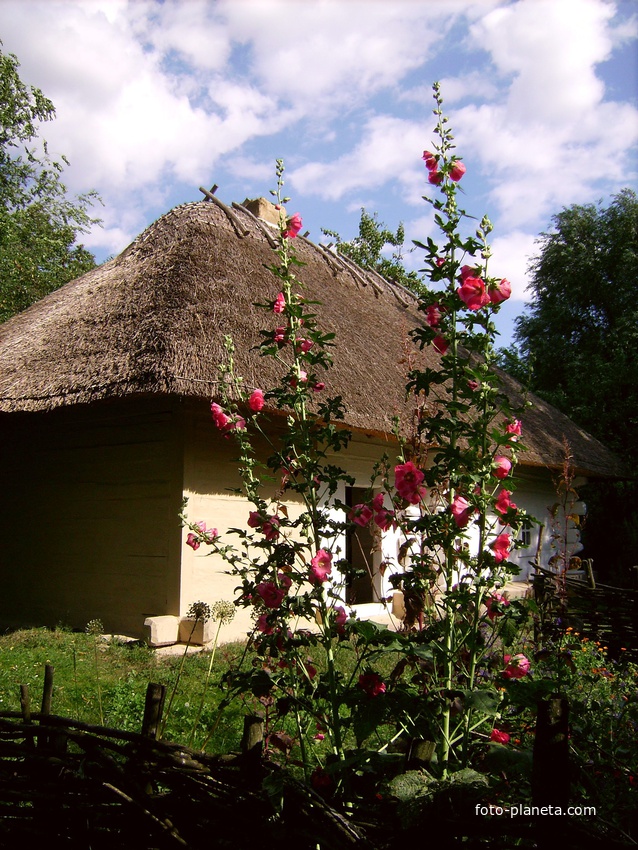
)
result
[(389, 150), (510, 258)]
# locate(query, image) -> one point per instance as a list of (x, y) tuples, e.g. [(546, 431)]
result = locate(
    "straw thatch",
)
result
[(153, 320)]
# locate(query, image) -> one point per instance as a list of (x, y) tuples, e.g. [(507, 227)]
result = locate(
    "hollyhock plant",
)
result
[(407, 480), (501, 547), (321, 566), (501, 467), (294, 225), (372, 684), (517, 666)]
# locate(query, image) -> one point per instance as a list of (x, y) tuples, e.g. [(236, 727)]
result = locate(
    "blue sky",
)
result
[(155, 99)]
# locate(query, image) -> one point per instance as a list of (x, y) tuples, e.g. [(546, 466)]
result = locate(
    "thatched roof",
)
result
[(153, 320)]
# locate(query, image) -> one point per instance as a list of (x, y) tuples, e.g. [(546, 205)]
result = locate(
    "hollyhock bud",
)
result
[(256, 401), (263, 625), (517, 666), (294, 225), (473, 294), (499, 737), (500, 291), (457, 171), (320, 566), (280, 303), (430, 160), (318, 387), (501, 547), (304, 345), (501, 467), (473, 385), (372, 684)]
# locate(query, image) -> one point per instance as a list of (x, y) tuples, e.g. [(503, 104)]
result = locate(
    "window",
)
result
[(362, 554)]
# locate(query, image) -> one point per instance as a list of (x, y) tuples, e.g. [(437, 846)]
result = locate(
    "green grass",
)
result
[(108, 687)]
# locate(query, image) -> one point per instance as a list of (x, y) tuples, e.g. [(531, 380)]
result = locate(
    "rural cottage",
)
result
[(105, 390)]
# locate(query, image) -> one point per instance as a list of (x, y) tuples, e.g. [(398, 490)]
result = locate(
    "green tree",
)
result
[(39, 223), (578, 341), (366, 250)]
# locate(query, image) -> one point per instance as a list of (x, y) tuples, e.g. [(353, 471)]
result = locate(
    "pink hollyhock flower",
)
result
[(321, 780), (320, 566), (341, 618), (303, 377), (499, 737), (461, 511), (503, 502), (280, 303), (494, 604), (304, 345), (500, 291), (256, 400), (514, 428), (407, 480), (280, 335), (254, 519), (501, 547), (270, 528), (294, 225), (430, 160), (270, 593), (457, 171), (262, 625), (517, 666), (473, 294), (318, 387), (372, 684), (473, 385), (361, 515), (377, 502), (501, 467), (237, 424), (193, 541), (435, 177), (468, 271), (440, 344), (433, 316), (220, 419), (384, 519)]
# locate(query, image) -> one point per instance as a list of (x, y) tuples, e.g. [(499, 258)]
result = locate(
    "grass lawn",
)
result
[(104, 683)]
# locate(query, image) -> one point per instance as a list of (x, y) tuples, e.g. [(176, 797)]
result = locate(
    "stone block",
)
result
[(203, 633), (161, 631)]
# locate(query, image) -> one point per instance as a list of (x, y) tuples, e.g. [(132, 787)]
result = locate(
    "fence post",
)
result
[(153, 709)]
